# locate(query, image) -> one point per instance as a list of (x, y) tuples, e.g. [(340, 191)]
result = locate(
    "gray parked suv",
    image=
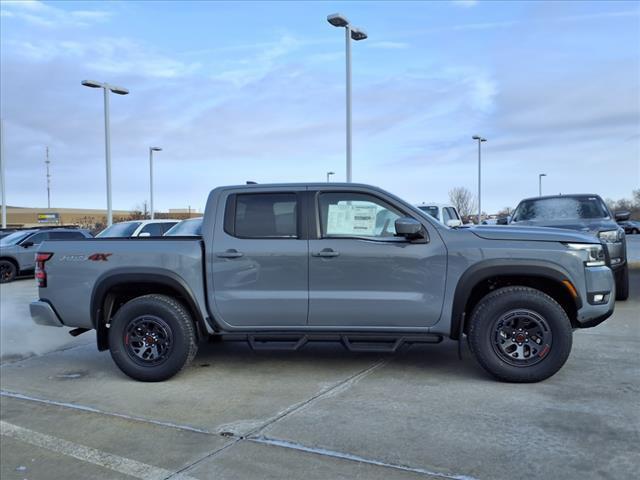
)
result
[(585, 213), (18, 249), (279, 266)]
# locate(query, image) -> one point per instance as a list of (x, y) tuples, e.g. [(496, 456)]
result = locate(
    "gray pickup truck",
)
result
[(279, 266)]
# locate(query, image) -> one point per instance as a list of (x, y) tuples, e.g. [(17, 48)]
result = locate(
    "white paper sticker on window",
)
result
[(350, 219)]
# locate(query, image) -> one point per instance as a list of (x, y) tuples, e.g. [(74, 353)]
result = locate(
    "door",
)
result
[(362, 275), (260, 261), (27, 255)]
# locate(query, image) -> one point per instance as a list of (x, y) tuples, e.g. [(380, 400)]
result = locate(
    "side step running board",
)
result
[(354, 342)]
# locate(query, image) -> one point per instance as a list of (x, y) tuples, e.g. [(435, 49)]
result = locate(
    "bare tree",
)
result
[(463, 200)]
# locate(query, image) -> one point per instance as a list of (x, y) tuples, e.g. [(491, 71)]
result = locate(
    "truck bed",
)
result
[(77, 268)]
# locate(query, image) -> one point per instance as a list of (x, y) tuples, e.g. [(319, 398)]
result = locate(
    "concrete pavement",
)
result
[(324, 413)]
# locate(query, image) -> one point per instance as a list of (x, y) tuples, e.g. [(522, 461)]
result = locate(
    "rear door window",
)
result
[(265, 215)]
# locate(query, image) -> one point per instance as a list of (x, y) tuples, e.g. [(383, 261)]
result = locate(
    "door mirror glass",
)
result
[(408, 227), (622, 216)]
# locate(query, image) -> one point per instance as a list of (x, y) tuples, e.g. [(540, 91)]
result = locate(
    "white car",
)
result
[(446, 214), (138, 228)]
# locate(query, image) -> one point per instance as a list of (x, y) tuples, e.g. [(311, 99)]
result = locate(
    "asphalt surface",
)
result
[(67, 412)]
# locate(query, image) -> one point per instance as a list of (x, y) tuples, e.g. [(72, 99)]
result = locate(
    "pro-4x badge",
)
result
[(99, 257)]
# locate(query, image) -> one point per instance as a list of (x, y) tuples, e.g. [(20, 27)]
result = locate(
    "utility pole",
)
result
[(47, 162)]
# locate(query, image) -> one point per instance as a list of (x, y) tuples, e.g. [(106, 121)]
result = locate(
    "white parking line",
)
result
[(116, 463)]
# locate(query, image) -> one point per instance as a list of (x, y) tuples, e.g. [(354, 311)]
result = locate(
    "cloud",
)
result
[(388, 45), (40, 14), (465, 3)]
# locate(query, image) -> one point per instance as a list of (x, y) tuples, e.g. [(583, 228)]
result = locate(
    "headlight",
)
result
[(593, 251), (610, 236)]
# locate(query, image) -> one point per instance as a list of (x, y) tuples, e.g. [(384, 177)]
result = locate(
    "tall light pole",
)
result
[(480, 140), (356, 34), (107, 134), (3, 160), (329, 176), (47, 162), (540, 175), (151, 150)]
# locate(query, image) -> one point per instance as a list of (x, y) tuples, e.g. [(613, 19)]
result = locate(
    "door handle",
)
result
[(326, 253), (231, 253)]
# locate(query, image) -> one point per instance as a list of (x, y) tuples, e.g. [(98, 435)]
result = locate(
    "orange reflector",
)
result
[(571, 288)]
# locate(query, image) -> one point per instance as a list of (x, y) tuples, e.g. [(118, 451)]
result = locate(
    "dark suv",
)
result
[(586, 213), (18, 249)]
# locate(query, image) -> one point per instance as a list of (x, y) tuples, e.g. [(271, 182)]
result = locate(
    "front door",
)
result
[(260, 261), (27, 255), (362, 275)]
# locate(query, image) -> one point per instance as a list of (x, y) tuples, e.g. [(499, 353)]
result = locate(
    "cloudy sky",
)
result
[(255, 91)]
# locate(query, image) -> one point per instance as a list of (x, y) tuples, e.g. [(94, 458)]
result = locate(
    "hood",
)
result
[(591, 225), (537, 234)]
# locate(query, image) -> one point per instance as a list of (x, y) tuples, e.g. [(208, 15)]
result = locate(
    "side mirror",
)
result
[(26, 244), (503, 221), (622, 216), (454, 223), (409, 228), (145, 234)]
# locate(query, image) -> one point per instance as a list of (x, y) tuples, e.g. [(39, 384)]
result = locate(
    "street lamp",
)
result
[(351, 33), (107, 134), (151, 150), (540, 175), (480, 140), (329, 176)]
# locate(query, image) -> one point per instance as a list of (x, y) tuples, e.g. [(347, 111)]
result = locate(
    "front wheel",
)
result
[(8, 271), (519, 334), (152, 338), (622, 283)]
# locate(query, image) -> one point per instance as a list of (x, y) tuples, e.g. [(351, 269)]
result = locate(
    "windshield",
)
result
[(186, 228), (431, 210), (560, 208), (119, 230), (14, 237)]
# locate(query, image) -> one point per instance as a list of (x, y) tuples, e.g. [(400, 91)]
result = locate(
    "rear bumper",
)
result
[(43, 314)]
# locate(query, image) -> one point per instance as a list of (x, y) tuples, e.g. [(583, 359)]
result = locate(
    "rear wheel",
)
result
[(8, 271), (622, 283), (152, 338), (519, 334)]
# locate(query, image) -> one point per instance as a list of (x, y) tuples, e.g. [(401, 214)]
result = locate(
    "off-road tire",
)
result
[(175, 321), (622, 283), (484, 339), (8, 271)]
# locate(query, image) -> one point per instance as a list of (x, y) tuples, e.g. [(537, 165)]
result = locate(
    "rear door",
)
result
[(362, 275), (260, 260)]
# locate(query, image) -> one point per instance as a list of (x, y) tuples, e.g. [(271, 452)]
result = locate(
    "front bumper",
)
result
[(43, 314), (599, 280)]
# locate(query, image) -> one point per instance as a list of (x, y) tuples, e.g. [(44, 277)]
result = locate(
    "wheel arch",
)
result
[(118, 286), (486, 276)]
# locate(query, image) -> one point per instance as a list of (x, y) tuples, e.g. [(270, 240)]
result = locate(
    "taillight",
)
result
[(41, 274)]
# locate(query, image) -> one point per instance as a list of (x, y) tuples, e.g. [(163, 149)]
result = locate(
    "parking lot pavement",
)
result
[(326, 413)]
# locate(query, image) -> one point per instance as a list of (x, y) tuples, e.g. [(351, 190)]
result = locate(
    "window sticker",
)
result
[(351, 219)]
